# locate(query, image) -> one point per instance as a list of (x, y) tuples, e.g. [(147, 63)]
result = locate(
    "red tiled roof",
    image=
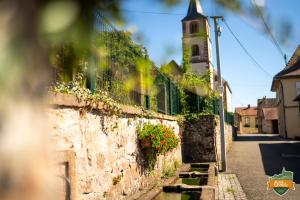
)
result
[(270, 113), (246, 111)]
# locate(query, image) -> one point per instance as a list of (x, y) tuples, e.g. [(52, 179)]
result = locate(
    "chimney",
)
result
[(249, 106)]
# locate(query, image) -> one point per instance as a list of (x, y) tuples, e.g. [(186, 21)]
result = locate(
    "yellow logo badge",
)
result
[(282, 183)]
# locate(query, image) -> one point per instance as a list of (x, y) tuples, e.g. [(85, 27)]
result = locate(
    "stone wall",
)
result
[(106, 160), (228, 139), (247, 130), (201, 140)]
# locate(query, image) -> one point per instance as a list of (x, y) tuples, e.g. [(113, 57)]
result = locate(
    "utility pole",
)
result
[(220, 90)]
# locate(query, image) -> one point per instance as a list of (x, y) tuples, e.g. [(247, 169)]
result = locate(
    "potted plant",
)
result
[(145, 143), (158, 137)]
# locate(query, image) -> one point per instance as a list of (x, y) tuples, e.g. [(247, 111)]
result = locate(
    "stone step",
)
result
[(193, 174), (183, 188), (200, 165)]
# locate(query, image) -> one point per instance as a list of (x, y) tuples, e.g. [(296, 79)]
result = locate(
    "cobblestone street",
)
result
[(229, 188)]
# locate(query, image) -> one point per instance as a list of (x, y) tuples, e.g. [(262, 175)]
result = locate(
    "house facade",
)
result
[(246, 119), (267, 116), (227, 97), (286, 84)]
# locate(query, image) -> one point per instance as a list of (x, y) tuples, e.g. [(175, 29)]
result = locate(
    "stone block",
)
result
[(100, 161)]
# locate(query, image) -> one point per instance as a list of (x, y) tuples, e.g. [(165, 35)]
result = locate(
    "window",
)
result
[(194, 28), (216, 78), (298, 88), (247, 120), (195, 50), (184, 28)]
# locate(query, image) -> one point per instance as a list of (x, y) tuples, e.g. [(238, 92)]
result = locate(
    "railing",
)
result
[(229, 118), (106, 73), (166, 98)]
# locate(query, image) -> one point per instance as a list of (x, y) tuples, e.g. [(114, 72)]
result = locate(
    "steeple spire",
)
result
[(195, 11), (195, 7)]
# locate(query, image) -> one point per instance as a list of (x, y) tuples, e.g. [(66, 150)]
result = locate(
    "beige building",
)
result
[(227, 97), (267, 116), (245, 119), (286, 84)]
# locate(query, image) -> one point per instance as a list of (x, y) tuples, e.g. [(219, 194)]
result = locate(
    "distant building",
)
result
[(227, 97), (197, 41), (267, 115), (286, 84), (173, 71), (246, 119)]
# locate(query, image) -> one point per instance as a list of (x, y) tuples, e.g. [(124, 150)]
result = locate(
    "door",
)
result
[(275, 126)]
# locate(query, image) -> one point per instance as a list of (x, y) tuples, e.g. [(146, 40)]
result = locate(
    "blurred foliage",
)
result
[(233, 5), (29, 31), (173, 71), (121, 49), (68, 60), (170, 2), (58, 23), (75, 87), (127, 61), (119, 66), (186, 59)]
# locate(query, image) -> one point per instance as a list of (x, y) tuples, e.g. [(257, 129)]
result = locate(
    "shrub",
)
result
[(162, 138)]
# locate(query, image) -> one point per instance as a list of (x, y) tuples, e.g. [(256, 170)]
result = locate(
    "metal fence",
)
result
[(165, 99), (105, 74), (229, 118)]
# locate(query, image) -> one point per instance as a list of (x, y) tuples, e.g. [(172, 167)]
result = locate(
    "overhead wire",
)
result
[(268, 29), (274, 41), (245, 50), (238, 100)]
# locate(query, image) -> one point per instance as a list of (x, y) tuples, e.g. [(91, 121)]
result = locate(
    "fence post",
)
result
[(214, 107), (170, 97), (90, 77), (147, 102), (198, 103)]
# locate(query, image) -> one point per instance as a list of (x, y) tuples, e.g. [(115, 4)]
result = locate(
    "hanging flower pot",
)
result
[(145, 143)]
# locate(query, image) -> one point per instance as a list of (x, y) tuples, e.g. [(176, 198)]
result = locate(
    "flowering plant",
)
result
[(162, 139)]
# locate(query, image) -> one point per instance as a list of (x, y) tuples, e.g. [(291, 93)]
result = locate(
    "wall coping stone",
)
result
[(68, 100)]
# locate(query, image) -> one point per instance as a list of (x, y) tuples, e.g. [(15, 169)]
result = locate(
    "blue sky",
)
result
[(161, 35)]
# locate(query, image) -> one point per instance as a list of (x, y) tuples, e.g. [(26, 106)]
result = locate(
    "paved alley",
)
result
[(253, 158)]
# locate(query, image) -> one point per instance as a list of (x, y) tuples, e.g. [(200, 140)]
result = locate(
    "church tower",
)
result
[(196, 39)]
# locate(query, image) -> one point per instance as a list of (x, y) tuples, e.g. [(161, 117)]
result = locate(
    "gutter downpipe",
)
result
[(284, 113)]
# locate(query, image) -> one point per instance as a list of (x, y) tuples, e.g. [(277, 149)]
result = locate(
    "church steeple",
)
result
[(195, 11), (196, 40)]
